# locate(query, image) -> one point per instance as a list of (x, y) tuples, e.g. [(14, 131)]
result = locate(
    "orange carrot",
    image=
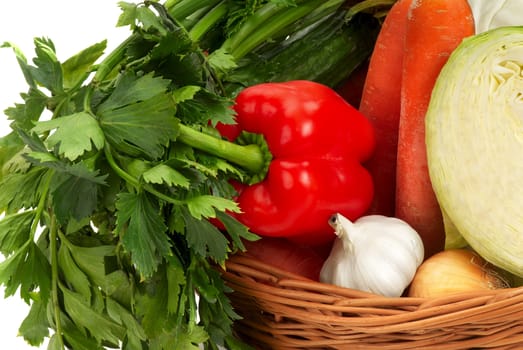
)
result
[(380, 102), (434, 29)]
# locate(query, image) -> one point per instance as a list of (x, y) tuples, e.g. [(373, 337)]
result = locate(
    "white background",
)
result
[(72, 25)]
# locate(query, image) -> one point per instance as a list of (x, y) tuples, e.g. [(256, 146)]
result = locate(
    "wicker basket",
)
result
[(285, 311)]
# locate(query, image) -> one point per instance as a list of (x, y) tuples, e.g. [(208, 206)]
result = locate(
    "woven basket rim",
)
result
[(281, 309), (287, 278)]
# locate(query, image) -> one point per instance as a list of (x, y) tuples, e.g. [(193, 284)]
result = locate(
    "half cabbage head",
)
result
[(474, 137)]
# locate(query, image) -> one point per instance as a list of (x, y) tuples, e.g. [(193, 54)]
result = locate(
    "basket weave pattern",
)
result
[(281, 310)]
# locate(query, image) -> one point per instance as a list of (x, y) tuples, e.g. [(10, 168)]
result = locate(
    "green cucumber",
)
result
[(326, 52)]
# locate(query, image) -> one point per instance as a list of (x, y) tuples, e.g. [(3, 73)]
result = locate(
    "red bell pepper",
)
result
[(318, 143)]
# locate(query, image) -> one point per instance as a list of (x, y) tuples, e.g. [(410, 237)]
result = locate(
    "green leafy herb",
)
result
[(142, 228), (104, 176), (113, 173), (71, 143)]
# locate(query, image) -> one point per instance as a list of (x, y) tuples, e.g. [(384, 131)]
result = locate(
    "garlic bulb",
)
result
[(376, 253)]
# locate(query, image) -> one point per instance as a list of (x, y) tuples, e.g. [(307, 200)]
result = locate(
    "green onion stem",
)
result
[(206, 22), (105, 68), (254, 22), (182, 9), (112, 60), (273, 25)]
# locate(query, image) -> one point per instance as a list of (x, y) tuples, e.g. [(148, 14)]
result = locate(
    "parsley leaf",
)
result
[(22, 62), (21, 190), (221, 61), (160, 305), (10, 146), (76, 68), (98, 323), (181, 338), (216, 311), (74, 275), (142, 228), (205, 206), (71, 143), (132, 89), (134, 331), (92, 262), (138, 117), (35, 327), (25, 114), (15, 230), (74, 186), (164, 174), (199, 105), (205, 239), (105, 168), (26, 269), (236, 230), (48, 70), (152, 304), (78, 192)]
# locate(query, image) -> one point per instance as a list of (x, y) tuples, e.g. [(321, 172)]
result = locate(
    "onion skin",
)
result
[(455, 271)]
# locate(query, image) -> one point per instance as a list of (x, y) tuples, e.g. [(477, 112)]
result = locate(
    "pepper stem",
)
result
[(252, 155)]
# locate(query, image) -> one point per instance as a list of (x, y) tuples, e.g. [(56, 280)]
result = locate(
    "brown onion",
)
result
[(454, 271)]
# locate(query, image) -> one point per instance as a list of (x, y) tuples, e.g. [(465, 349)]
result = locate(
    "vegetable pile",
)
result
[(447, 133), (219, 127), (447, 124), (118, 190), (425, 33)]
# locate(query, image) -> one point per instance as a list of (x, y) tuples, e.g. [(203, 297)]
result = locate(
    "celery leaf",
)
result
[(71, 143), (48, 71), (164, 174), (205, 106), (24, 270), (15, 231), (138, 117), (35, 327), (77, 67), (205, 239), (142, 228)]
